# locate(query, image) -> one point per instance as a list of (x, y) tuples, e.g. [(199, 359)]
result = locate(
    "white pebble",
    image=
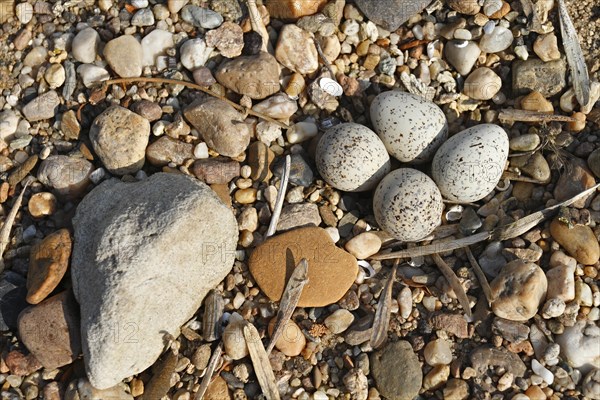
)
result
[(542, 371), (97, 175), (333, 233), (201, 151), (238, 300), (302, 131), (245, 171)]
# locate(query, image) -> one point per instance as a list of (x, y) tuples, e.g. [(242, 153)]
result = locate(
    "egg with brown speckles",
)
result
[(351, 157), (469, 165), (411, 127), (407, 204)]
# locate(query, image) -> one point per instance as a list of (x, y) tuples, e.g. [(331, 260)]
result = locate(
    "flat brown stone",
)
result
[(48, 263), (50, 330), (331, 270)]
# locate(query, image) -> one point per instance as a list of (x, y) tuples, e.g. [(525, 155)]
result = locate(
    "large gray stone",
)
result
[(144, 257), (390, 14)]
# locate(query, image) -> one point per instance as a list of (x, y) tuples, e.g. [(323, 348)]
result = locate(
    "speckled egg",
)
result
[(351, 157), (411, 127), (407, 204), (469, 165)]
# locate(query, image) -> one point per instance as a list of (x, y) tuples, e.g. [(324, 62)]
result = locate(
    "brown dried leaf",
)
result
[(579, 71), (289, 300), (454, 283), (382, 315), (210, 370), (260, 362)]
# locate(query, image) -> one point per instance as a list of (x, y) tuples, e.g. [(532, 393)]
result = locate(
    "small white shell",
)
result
[(469, 165), (331, 87), (351, 157), (411, 127), (407, 204)]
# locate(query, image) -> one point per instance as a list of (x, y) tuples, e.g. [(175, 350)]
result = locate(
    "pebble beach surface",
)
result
[(166, 165)]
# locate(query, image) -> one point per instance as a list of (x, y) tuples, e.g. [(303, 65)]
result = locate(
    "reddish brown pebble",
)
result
[(50, 330), (20, 364)]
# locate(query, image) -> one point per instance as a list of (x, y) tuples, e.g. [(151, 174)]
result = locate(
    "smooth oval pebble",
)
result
[(410, 127), (482, 84), (469, 165), (339, 321), (498, 40), (407, 204), (351, 157), (292, 340), (363, 245), (42, 204)]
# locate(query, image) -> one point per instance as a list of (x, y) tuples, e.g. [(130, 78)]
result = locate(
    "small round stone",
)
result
[(339, 321), (438, 352), (363, 245), (42, 204)]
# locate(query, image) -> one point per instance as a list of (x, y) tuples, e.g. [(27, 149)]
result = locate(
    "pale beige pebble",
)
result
[(561, 281), (55, 75), (469, 7), (256, 76), (42, 204), (248, 219), (505, 381), (339, 321), (124, 54), (518, 290), (482, 84), (405, 302), (295, 85), (436, 377), (438, 352), (579, 124), (456, 389), (292, 9), (234, 342), (535, 101), (292, 341), (296, 50), (245, 196), (525, 142), (546, 47), (579, 241), (331, 47), (363, 245), (568, 101), (583, 294), (176, 5)]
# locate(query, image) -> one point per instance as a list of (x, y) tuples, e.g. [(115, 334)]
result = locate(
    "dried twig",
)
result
[(9, 222), (257, 24), (210, 370), (260, 361), (454, 283), (285, 176), (504, 232), (200, 88), (485, 286), (289, 300), (509, 114), (579, 71), (384, 310)]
